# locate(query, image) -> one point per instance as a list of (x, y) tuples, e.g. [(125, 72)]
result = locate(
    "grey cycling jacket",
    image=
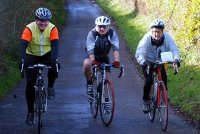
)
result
[(90, 42), (148, 52)]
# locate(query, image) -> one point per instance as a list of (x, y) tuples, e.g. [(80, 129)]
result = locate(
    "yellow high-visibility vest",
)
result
[(40, 42)]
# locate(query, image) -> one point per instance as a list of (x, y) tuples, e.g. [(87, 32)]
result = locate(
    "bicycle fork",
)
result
[(161, 92)]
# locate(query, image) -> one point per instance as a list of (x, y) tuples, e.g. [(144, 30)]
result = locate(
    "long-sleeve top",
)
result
[(146, 51), (92, 42)]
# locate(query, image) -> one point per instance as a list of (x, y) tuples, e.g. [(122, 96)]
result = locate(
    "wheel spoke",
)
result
[(107, 104), (163, 108), (94, 103)]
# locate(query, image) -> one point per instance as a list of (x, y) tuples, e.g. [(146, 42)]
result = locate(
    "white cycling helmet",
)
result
[(43, 13), (158, 23), (102, 20)]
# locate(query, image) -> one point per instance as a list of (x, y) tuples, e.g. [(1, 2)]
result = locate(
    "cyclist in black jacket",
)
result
[(99, 42)]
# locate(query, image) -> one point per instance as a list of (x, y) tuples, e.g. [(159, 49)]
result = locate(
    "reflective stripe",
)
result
[(41, 45)]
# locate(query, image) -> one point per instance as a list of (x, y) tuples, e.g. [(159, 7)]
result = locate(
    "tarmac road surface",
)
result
[(69, 113)]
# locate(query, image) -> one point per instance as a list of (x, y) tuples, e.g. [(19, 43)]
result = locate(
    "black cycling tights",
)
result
[(149, 81), (31, 79), (31, 76)]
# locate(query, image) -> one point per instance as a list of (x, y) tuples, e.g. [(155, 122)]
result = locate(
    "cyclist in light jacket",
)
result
[(151, 45)]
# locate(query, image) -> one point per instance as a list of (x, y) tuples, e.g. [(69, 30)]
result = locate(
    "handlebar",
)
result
[(158, 63), (39, 66), (36, 66), (104, 65)]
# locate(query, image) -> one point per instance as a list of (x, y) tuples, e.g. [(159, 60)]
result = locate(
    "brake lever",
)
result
[(148, 68), (22, 70), (175, 69), (121, 71), (57, 67)]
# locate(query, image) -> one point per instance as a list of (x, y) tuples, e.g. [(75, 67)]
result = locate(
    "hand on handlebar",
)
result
[(116, 64), (94, 62), (176, 65), (177, 62), (146, 64)]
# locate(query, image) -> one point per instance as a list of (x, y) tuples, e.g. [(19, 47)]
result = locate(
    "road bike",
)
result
[(103, 92), (40, 102), (158, 94)]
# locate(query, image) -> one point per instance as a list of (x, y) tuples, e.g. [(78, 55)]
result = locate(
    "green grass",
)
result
[(9, 79), (184, 87)]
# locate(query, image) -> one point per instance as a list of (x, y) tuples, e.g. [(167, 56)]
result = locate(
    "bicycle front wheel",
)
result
[(44, 99), (107, 105), (40, 108), (39, 121), (94, 103), (152, 105), (163, 106)]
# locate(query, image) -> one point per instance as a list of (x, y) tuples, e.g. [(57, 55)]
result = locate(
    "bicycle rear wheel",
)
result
[(94, 103), (37, 111), (152, 105), (163, 106), (107, 105)]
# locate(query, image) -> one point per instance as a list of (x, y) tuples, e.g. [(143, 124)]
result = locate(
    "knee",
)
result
[(86, 64)]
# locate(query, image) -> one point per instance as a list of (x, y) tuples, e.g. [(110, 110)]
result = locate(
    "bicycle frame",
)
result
[(103, 89), (40, 102), (158, 98), (40, 89), (158, 79)]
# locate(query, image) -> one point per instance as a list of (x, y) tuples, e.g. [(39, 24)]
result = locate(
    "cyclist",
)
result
[(39, 44), (99, 42), (151, 45)]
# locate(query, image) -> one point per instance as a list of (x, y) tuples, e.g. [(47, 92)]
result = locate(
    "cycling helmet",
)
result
[(158, 23), (43, 13), (102, 20)]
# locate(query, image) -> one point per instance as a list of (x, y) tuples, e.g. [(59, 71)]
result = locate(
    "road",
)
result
[(69, 113)]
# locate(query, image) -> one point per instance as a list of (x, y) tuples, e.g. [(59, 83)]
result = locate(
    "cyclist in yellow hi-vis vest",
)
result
[(39, 44)]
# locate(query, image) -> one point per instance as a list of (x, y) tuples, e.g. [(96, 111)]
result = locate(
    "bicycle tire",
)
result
[(107, 111), (35, 108), (39, 121), (40, 108), (45, 100), (163, 106), (152, 104), (94, 103)]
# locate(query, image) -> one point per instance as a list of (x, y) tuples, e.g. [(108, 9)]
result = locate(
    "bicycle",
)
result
[(158, 94), (103, 92), (40, 102)]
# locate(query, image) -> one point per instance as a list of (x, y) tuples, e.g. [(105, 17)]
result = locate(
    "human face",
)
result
[(156, 33), (42, 24), (102, 29)]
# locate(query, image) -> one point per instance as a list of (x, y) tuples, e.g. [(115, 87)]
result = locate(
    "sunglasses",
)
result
[(102, 26), (43, 20)]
